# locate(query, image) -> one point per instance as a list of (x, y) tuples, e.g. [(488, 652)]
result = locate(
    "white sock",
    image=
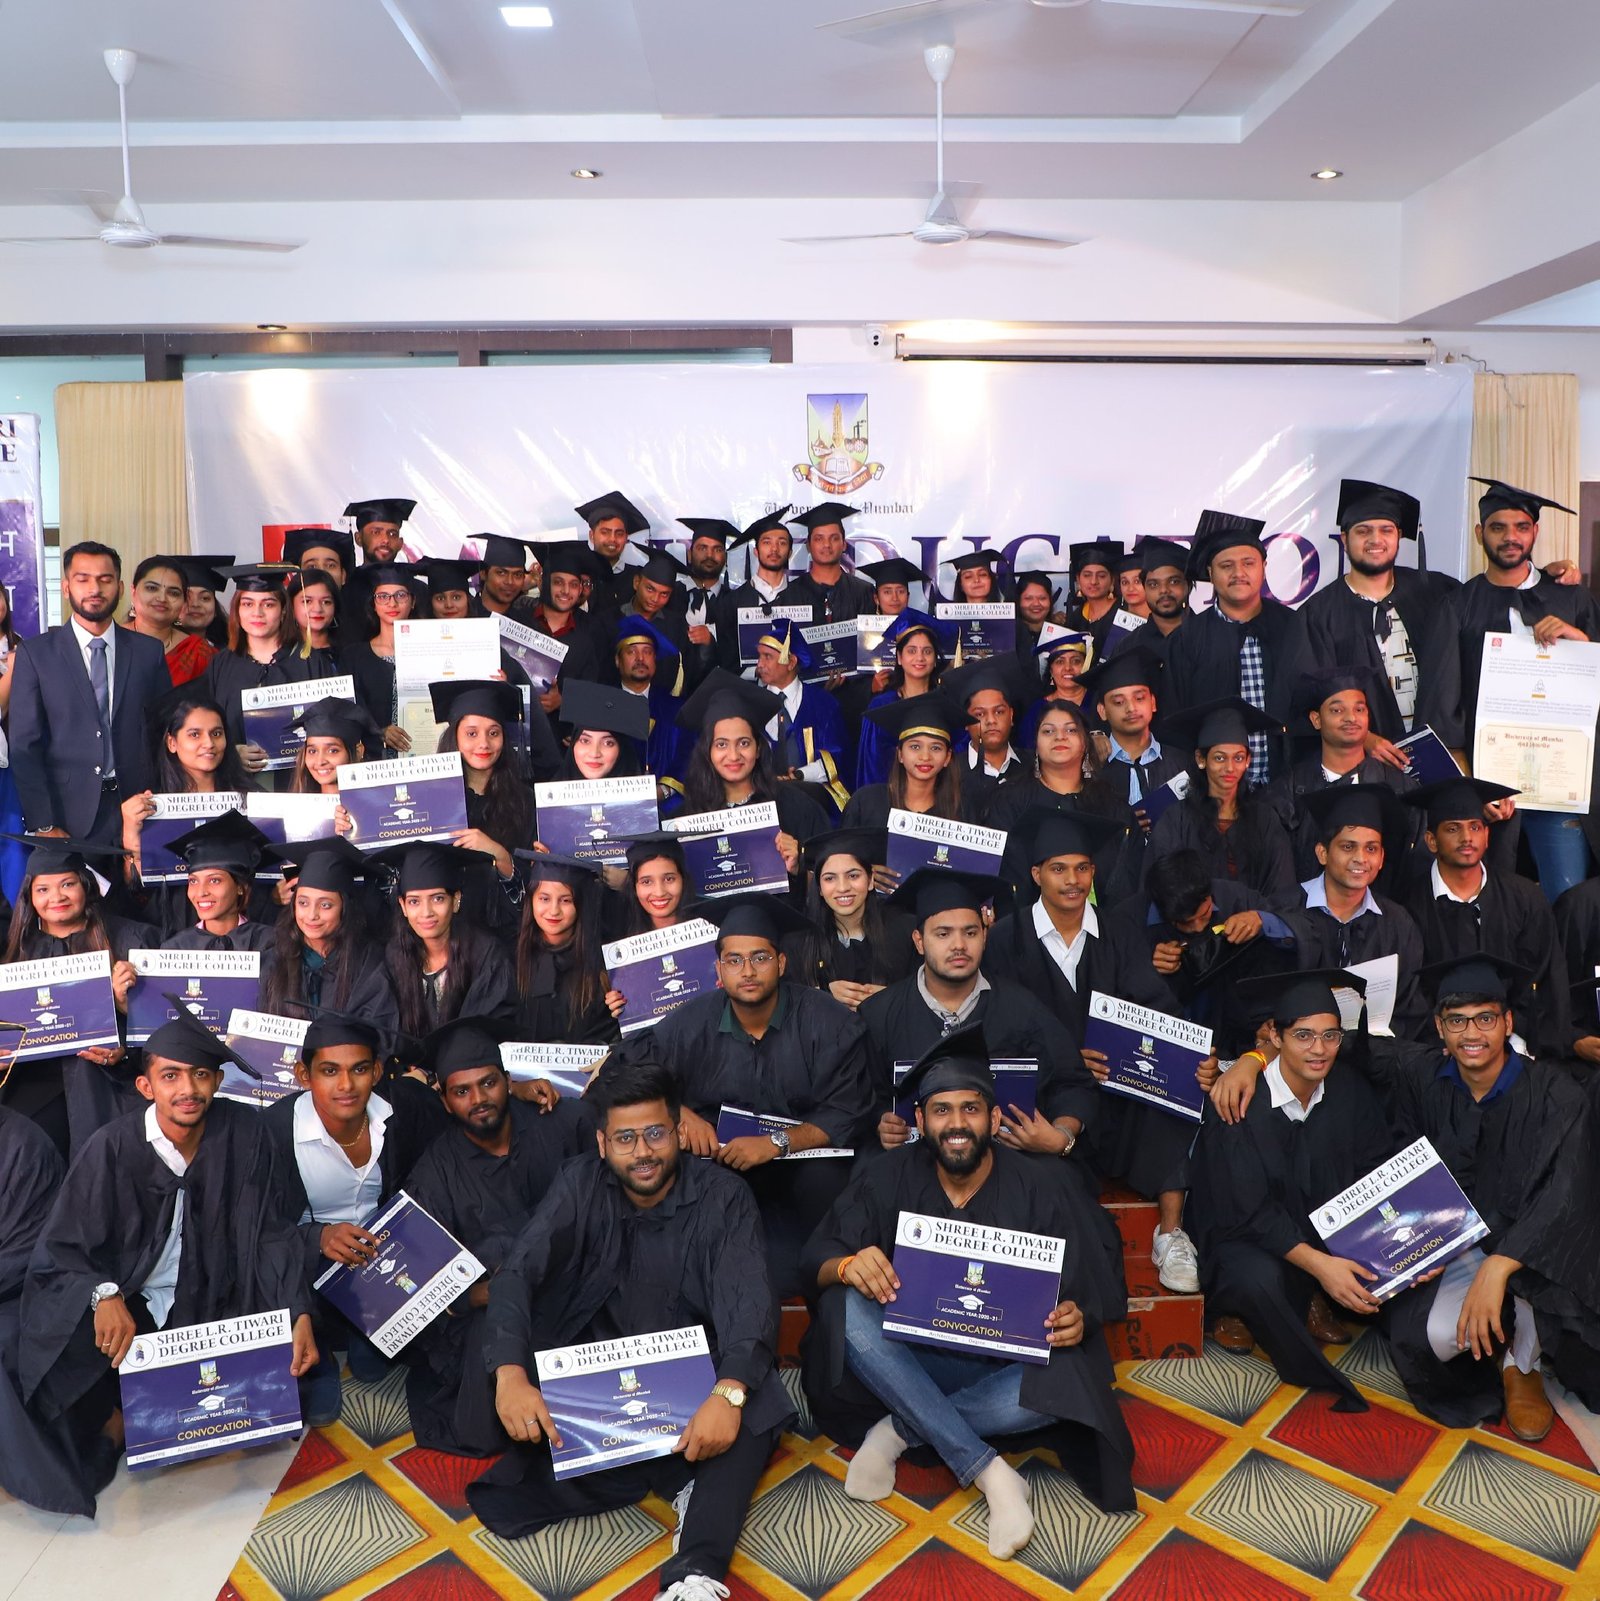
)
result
[(870, 1476), (1010, 1520)]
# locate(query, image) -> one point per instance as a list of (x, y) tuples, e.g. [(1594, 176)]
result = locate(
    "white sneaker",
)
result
[(695, 1587), (680, 1507), (1173, 1254)]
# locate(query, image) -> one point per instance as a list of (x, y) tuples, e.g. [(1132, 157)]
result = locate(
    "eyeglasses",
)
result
[(1310, 1036), (655, 1136), (391, 597), (757, 959), (1455, 1023)]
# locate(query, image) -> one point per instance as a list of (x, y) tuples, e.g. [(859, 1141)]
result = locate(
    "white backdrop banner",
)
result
[(22, 521), (939, 458)]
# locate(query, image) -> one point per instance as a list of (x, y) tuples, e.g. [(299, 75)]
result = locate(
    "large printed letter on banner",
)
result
[(22, 521)]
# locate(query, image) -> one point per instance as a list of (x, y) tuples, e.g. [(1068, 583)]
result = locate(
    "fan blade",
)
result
[(55, 239), (844, 238), (1252, 8), (1042, 241), (891, 19), (200, 241), (99, 203)]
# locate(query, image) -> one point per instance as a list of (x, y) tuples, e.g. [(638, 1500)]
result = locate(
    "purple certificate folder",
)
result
[(591, 819), (568, 1067), (65, 1003), (267, 713), (916, 840), (537, 654), (753, 621), (657, 972), (985, 630), (1157, 800), (211, 985), (974, 1287), (1429, 756), (625, 1400), (175, 815), (419, 1270), (835, 648), (1016, 1083), (733, 850), (392, 803), (1405, 1218), (735, 1123), (201, 1388), (1152, 1056), (872, 654), (271, 1045)]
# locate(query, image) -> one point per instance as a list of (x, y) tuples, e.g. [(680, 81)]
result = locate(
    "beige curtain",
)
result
[(122, 468), (1525, 432)]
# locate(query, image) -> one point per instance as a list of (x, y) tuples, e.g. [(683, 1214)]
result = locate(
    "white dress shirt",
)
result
[(1285, 1100), (763, 588), (83, 636), (814, 772), (337, 1191), (160, 1289), (1442, 891), (1065, 956)]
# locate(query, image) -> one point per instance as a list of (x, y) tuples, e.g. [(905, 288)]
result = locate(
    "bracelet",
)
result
[(844, 1262), (1260, 1056)]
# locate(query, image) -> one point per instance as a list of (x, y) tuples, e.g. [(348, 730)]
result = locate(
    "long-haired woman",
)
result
[(657, 892), (919, 659), (387, 598), (561, 979), (315, 600), (924, 776), (263, 642), (160, 587), (227, 909)]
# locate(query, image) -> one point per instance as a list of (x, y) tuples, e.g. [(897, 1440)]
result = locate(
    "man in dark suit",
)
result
[(81, 695)]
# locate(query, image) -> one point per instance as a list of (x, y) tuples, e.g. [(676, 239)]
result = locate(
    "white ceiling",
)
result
[(416, 99)]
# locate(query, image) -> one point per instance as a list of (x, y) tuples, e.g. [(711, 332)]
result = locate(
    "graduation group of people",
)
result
[(1206, 809)]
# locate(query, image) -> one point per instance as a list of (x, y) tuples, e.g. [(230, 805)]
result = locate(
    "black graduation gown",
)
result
[(592, 1265), (1116, 866), (1287, 793), (1321, 940), (1528, 1161), (1146, 1148), (490, 989), (819, 957), (486, 1202), (811, 1065), (110, 1223), (901, 1026), (228, 675), (1510, 919), (1150, 637), (1099, 630), (1253, 1187), (416, 1116), (1203, 663), (1255, 851), (367, 995), (248, 935), (375, 687), (869, 807), (41, 1464), (1340, 628), (1021, 1192), (543, 1012), (838, 602), (1577, 916)]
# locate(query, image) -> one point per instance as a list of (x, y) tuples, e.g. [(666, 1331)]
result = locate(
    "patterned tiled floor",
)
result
[(1248, 1491)]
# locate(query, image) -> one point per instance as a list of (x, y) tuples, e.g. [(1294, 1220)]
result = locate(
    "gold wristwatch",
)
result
[(730, 1393)]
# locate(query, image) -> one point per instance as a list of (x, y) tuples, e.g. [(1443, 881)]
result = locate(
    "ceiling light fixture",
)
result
[(272, 327), (527, 16), (586, 172), (1327, 174)]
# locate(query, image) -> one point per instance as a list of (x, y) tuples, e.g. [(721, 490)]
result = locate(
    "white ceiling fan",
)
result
[(888, 18), (940, 225), (124, 226)]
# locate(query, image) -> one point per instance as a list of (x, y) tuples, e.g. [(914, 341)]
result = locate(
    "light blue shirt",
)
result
[(1150, 755), (1315, 891)]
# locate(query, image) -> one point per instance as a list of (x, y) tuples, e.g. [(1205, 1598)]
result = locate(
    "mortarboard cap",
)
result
[(333, 718), (1476, 973), (1094, 553), (869, 846), (830, 514), (331, 1028), (933, 714), (1047, 651), (931, 890), (1157, 553), (572, 557), (632, 627), (604, 709), (1501, 497), (463, 1045), (1133, 664), (55, 854), (1313, 690), (752, 915), (333, 864), (724, 694), (1218, 722), (455, 698), (231, 842), (976, 558), (1286, 997), (895, 570), (500, 550), (1456, 800), (911, 621), (260, 577), (1217, 531), (1363, 502), (185, 1039), (206, 572), (717, 528), (548, 866), (444, 577), (297, 541), (1045, 832), (614, 504), (1003, 673), (1337, 806), (783, 634), (427, 864), (960, 1061), (647, 847), (391, 510), (659, 566), (762, 525), (1131, 562)]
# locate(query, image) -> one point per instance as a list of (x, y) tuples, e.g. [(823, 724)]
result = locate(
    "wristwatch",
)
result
[(780, 1138), (734, 1396), (103, 1292)]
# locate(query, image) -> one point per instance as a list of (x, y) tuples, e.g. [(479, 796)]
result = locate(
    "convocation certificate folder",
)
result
[(538, 655), (267, 713), (1153, 1057), (206, 1387), (419, 1270), (984, 630), (568, 1067), (591, 819), (917, 840), (211, 985), (271, 1045), (394, 803), (835, 648), (974, 1287), (753, 621), (1016, 1083), (735, 1123), (624, 1400), (174, 815), (64, 1002), (732, 850), (1407, 1217), (659, 971)]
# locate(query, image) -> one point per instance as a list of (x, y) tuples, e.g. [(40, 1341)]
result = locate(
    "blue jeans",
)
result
[(1560, 851), (958, 1402)]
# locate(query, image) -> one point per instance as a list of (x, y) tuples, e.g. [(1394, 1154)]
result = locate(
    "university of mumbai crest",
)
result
[(836, 438)]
